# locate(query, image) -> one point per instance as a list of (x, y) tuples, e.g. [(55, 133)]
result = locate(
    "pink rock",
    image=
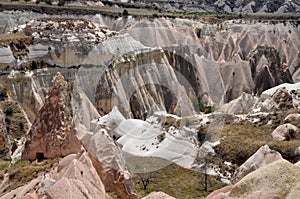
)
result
[(79, 180), (263, 156), (281, 131), (31, 196), (220, 193), (292, 117), (158, 195), (52, 133)]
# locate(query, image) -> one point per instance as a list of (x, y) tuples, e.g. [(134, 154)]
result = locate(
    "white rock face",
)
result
[(149, 139), (6, 56), (242, 105)]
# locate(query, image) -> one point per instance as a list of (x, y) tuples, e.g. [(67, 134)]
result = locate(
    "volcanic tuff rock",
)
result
[(210, 63), (267, 69), (52, 133), (263, 156), (229, 6), (108, 162), (242, 105), (74, 177), (292, 117), (279, 179), (283, 99), (4, 141), (283, 131), (158, 195)]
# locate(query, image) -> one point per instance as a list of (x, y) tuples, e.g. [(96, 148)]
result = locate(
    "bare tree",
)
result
[(145, 179)]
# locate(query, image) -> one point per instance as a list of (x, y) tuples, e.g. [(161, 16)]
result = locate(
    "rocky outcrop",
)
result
[(262, 157), (242, 105), (260, 183), (77, 178), (292, 117), (158, 195), (138, 83), (74, 177), (267, 69), (108, 162), (284, 132), (52, 133), (283, 99), (4, 141)]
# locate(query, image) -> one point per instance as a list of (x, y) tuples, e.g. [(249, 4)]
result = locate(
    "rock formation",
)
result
[(267, 69), (77, 178), (108, 162), (292, 117), (74, 177), (260, 183), (228, 6), (262, 157), (4, 141), (284, 132), (52, 133), (158, 195), (242, 105), (283, 99)]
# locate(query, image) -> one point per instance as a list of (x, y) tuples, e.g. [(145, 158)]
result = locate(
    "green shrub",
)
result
[(161, 137), (198, 32), (9, 111), (125, 13), (61, 3), (3, 94), (49, 2)]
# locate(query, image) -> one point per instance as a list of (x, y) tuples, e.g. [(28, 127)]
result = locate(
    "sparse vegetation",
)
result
[(61, 3), (240, 141), (23, 171), (125, 12), (3, 94), (161, 137), (178, 182)]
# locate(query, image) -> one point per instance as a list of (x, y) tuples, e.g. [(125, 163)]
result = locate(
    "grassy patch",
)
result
[(23, 172), (241, 140), (16, 124), (177, 182)]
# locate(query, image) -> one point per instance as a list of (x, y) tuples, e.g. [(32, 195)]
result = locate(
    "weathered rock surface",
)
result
[(242, 105), (279, 179), (267, 69), (292, 117), (230, 6), (262, 157), (283, 99), (74, 177), (158, 195), (78, 179), (52, 133), (108, 162), (283, 131), (4, 141)]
